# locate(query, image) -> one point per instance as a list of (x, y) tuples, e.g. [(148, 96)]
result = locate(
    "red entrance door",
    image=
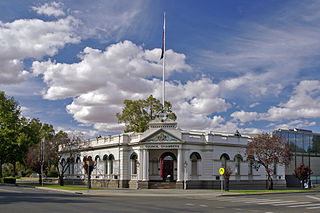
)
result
[(168, 170)]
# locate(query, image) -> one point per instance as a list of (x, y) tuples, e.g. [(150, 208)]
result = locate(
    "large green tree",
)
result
[(136, 114), (9, 128)]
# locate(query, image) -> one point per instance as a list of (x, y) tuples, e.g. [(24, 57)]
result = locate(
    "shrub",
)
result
[(11, 180)]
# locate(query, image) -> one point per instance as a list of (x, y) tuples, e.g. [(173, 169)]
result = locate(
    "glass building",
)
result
[(305, 147)]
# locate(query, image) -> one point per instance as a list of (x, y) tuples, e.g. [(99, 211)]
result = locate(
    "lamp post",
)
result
[(185, 174), (137, 181)]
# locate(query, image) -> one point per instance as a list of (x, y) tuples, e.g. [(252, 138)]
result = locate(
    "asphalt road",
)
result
[(24, 199)]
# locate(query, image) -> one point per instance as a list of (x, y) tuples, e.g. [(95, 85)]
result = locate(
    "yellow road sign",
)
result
[(221, 171)]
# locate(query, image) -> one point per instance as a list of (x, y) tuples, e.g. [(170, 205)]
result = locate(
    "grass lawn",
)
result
[(65, 187), (273, 191)]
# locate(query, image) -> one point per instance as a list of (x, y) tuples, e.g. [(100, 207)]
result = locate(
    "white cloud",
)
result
[(244, 116), (101, 81), (31, 38), (304, 103), (254, 104), (50, 9)]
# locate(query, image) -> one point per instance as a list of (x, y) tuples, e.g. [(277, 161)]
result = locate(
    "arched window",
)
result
[(105, 159), (250, 160), (111, 159), (97, 158), (224, 158), (237, 164), (194, 158), (134, 160), (78, 166)]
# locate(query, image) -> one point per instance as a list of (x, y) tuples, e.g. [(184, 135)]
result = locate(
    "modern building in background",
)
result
[(305, 146)]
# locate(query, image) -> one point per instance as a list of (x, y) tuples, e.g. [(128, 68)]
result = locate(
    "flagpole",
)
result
[(163, 61)]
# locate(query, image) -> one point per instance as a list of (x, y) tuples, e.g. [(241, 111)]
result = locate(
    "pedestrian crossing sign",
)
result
[(221, 171)]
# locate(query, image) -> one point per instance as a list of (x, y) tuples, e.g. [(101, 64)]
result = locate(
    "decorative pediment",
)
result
[(161, 136)]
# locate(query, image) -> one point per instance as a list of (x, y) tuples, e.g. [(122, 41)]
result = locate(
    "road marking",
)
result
[(238, 209), (204, 205), (313, 197), (287, 204), (4, 190), (317, 207), (274, 202), (313, 204), (189, 204), (220, 207)]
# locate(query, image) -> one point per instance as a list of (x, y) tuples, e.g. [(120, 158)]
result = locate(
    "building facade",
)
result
[(305, 146), (167, 157)]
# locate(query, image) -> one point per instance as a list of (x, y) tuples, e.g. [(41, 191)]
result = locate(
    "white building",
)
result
[(167, 157)]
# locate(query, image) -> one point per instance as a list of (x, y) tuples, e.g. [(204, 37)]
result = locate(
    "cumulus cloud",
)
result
[(244, 116), (101, 81), (31, 38), (304, 103), (50, 9)]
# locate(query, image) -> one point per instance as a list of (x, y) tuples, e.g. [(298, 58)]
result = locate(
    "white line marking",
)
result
[(317, 207), (274, 202), (313, 204), (4, 190), (287, 204), (220, 207), (313, 197), (204, 205), (189, 204)]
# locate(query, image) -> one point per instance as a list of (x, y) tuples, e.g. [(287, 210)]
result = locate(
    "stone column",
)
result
[(109, 168), (180, 166), (145, 176)]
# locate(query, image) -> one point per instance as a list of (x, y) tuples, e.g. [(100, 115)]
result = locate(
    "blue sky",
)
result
[(246, 65)]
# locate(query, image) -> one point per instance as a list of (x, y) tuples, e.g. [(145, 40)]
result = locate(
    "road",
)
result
[(25, 199)]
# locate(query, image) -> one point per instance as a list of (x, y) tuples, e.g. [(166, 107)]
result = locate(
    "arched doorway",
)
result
[(167, 166)]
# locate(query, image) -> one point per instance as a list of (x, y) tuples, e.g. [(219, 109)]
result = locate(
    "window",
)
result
[(250, 165), (194, 158), (105, 159), (224, 158), (237, 163), (134, 161), (111, 160)]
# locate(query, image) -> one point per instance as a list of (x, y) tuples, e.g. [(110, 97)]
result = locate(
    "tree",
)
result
[(303, 173), (63, 150), (136, 114), (226, 175), (9, 128), (268, 151)]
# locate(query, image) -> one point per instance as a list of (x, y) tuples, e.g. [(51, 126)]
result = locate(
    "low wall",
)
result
[(190, 184), (235, 184)]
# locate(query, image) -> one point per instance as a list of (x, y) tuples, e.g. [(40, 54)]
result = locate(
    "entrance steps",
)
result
[(162, 185)]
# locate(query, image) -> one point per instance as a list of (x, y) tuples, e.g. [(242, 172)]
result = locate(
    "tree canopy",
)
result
[(136, 114), (268, 151)]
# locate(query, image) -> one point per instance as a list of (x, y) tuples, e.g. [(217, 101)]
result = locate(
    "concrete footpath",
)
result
[(146, 192), (164, 192)]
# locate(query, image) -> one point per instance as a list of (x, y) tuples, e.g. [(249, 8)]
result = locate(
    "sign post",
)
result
[(221, 171)]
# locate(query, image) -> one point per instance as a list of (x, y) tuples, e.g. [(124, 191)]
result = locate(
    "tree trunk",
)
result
[(1, 168), (40, 178), (226, 184), (270, 184), (14, 169), (61, 181)]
